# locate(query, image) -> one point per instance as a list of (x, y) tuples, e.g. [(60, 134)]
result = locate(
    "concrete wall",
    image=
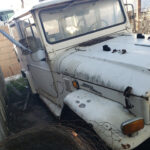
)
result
[(8, 59)]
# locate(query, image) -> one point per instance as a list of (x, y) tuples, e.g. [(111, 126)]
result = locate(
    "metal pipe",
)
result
[(18, 44), (132, 15)]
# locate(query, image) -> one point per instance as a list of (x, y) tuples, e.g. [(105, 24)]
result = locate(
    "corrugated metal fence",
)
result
[(8, 59)]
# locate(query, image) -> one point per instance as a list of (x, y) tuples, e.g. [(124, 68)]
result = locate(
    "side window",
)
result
[(32, 38), (14, 32)]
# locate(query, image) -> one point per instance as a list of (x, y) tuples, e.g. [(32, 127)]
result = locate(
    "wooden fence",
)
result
[(8, 59)]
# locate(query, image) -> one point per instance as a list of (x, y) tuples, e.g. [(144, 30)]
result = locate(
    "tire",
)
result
[(87, 133), (70, 119), (52, 137)]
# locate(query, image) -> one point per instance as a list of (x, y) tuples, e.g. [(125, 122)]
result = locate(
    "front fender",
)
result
[(106, 116)]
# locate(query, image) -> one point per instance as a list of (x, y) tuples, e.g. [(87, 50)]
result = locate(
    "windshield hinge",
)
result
[(127, 94)]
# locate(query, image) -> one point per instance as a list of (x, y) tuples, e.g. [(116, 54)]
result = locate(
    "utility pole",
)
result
[(138, 13), (22, 3)]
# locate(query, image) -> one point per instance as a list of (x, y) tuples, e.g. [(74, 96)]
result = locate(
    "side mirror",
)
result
[(132, 15), (132, 10)]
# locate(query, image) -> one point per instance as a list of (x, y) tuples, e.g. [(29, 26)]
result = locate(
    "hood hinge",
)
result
[(127, 94)]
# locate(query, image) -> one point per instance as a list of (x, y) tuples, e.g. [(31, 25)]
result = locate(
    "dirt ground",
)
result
[(22, 115), (19, 117), (33, 115)]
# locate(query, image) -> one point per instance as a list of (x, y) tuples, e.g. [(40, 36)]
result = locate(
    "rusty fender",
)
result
[(106, 117)]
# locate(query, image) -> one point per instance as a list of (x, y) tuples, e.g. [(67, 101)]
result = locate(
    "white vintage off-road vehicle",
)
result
[(81, 54)]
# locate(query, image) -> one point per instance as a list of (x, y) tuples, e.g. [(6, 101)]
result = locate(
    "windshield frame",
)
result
[(77, 36)]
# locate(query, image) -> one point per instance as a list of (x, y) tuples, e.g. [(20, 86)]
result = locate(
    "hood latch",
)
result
[(127, 94)]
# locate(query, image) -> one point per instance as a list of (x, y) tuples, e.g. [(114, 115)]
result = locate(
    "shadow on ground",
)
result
[(34, 122), (22, 115)]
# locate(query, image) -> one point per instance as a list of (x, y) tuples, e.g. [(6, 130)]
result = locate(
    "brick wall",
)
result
[(8, 59)]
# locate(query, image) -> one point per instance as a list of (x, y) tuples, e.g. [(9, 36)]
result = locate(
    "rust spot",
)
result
[(77, 102), (88, 101), (124, 51), (107, 126), (125, 146), (82, 105), (110, 129), (114, 51), (74, 133)]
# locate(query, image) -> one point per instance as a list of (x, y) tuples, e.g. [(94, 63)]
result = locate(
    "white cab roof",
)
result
[(48, 3), (37, 6)]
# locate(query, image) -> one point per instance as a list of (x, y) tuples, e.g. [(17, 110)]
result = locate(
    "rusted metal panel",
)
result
[(105, 116), (112, 70), (108, 74)]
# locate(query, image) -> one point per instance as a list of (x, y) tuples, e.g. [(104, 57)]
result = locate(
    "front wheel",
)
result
[(84, 130), (52, 137)]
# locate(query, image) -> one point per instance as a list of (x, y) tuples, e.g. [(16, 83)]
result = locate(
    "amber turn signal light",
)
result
[(75, 84), (131, 126)]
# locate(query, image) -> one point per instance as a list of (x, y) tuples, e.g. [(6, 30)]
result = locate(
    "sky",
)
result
[(14, 4), (145, 4), (7, 4)]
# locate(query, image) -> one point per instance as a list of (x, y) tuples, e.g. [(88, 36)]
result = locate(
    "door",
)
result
[(37, 61)]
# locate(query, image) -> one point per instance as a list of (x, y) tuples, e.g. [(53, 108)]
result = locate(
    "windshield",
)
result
[(81, 18)]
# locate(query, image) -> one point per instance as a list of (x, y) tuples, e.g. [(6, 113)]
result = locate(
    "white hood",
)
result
[(112, 70)]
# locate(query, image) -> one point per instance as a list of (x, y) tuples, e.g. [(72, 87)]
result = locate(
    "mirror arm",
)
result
[(132, 13), (18, 44)]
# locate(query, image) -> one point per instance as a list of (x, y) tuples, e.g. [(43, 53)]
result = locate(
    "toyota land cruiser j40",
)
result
[(81, 53)]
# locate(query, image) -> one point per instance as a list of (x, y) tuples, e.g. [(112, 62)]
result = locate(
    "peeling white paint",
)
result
[(106, 117), (113, 70)]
